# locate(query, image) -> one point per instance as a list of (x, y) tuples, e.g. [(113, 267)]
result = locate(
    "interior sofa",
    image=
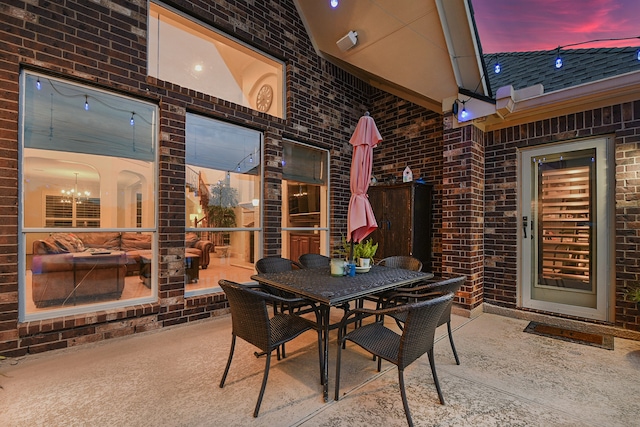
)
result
[(71, 267)]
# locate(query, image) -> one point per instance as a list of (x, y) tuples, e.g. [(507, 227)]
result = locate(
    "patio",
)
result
[(506, 377)]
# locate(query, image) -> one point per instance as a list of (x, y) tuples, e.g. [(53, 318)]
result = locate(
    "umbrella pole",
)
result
[(351, 251)]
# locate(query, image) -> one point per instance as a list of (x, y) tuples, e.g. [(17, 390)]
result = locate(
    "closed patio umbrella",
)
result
[(360, 219)]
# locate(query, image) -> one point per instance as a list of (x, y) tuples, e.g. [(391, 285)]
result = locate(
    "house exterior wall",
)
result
[(620, 121), (104, 44), (411, 136)]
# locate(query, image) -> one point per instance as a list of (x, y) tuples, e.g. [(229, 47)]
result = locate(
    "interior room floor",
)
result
[(171, 377)]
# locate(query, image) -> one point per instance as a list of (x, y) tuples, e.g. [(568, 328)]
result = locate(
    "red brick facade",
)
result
[(104, 44)]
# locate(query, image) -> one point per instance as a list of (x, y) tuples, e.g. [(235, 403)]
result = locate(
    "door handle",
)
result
[(525, 223), (531, 230)]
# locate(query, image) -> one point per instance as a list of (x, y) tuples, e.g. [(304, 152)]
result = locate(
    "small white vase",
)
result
[(364, 262)]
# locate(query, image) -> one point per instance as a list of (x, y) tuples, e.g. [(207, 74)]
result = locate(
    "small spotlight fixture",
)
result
[(497, 68), (86, 103), (638, 54), (132, 122), (334, 3), (39, 85)]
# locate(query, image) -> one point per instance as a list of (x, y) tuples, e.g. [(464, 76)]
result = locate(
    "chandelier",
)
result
[(75, 196)]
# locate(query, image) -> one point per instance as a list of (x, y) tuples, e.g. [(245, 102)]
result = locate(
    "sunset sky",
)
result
[(526, 25)]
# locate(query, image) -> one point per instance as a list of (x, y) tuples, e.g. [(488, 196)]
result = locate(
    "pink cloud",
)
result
[(507, 25)]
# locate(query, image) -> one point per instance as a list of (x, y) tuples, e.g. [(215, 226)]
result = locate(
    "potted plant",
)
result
[(364, 252), (633, 294), (223, 201)]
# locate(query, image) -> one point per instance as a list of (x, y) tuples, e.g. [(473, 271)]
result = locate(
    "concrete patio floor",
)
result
[(170, 378)]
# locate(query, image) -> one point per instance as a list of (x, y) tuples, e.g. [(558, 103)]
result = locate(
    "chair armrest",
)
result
[(206, 247)]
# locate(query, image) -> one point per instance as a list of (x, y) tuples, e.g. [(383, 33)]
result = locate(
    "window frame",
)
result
[(257, 230), (254, 94), (24, 231), (325, 232)]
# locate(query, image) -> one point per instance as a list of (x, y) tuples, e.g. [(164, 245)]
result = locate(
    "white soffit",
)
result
[(402, 46)]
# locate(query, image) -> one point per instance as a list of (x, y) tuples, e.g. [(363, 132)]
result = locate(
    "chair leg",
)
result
[(320, 354), (337, 396), (264, 385), (453, 347), (435, 376), (403, 393), (226, 369)]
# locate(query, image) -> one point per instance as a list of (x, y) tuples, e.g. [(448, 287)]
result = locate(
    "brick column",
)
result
[(463, 211)]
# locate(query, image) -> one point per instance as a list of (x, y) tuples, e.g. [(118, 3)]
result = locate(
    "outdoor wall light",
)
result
[(455, 108), (497, 68), (334, 3), (464, 114)]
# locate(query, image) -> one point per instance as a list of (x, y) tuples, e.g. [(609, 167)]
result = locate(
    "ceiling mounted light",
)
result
[(334, 3), (348, 41)]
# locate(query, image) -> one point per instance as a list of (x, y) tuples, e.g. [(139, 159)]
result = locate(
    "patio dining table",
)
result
[(319, 286)]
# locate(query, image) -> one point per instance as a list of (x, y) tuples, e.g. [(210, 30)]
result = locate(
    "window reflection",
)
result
[(223, 197)]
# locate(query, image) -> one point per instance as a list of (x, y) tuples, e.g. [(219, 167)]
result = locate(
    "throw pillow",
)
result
[(68, 242)]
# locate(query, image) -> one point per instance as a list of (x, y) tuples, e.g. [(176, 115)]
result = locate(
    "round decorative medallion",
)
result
[(264, 98)]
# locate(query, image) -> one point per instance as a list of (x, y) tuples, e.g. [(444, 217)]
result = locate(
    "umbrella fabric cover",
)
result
[(360, 220)]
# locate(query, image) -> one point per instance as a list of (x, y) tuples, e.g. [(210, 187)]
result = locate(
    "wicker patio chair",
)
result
[(314, 260), (397, 261), (275, 264), (251, 322), (425, 291), (402, 261), (417, 338)]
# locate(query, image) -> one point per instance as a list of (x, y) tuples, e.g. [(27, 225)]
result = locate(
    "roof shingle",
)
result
[(524, 69)]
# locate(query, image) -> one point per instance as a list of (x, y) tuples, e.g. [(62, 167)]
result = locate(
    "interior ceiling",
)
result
[(422, 51)]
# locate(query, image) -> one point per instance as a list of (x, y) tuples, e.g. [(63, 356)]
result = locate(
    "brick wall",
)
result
[(622, 122), (411, 136), (104, 44), (463, 211)]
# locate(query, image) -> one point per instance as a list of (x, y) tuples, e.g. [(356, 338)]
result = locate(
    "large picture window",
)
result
[(88, 212), (214, 63), (223, 198)]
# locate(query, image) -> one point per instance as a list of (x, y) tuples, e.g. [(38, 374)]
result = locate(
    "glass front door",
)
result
[(565, 240)]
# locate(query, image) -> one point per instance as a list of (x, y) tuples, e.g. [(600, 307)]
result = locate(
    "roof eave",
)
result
[(614, 90)]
